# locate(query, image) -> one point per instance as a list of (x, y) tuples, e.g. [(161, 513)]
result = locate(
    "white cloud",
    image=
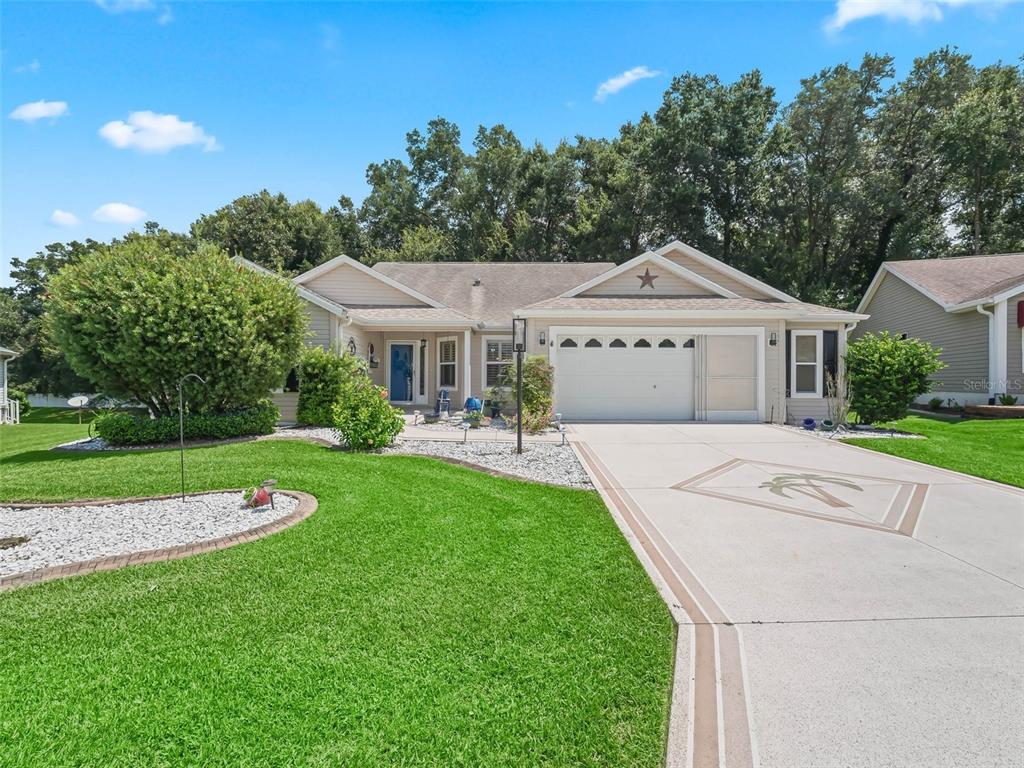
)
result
[(118, 213), (615, 84), (61, 218), (330, 37), (37, 110), (152, 132), (31, 68), (911, 11), (125, 6), (165, 17)]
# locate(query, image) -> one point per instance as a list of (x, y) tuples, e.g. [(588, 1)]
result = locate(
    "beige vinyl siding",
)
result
[(1014, 361), (320, 322), (287, 403), (774, 373), (712, 274), (962, 336), (347, 285), (665, 284)]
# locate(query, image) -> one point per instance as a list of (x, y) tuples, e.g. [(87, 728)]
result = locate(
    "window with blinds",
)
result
[(497, 356), (446, 362)]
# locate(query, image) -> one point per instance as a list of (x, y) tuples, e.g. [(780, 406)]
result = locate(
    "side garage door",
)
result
[(730, 383), (625, 376)]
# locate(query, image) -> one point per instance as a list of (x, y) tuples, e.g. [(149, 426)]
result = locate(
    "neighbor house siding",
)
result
[(665, 284), (346, 285), (962, 336), (1014, 362), (712, 274)]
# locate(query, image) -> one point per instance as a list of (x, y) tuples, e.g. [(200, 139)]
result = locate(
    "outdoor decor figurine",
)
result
[(254, 498)]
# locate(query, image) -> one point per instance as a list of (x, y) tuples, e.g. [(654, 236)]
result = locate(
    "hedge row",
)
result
[(127, 429)]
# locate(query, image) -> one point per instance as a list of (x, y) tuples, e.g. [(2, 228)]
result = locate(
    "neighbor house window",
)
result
[(805, 360), (497, 357), (446, 360)]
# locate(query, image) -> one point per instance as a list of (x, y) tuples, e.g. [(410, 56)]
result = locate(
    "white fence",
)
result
[(10, 412)]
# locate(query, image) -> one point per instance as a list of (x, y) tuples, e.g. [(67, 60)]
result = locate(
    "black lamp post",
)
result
[(181, 423), (519, 342)]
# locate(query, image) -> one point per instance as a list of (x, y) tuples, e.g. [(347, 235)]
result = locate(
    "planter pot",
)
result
[(809, 424), (827, 425), (495, 412)]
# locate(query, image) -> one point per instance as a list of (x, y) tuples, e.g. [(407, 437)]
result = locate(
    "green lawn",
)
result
[(425, 615), (57, 416), (993, 449)]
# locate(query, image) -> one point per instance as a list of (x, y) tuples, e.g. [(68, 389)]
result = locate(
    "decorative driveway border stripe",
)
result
[(307, 506), (718, 735)]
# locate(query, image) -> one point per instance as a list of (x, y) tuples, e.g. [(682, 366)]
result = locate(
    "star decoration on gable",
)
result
[(647, 279)]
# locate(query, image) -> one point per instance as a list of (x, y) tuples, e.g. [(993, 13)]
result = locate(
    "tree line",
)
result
[(810, 196)]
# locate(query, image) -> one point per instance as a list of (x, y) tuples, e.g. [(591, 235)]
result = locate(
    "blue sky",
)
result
[(119, 107)]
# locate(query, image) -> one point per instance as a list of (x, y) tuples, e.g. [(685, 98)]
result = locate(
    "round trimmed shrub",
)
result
[(886, 374), (135, 317), (365, 418)]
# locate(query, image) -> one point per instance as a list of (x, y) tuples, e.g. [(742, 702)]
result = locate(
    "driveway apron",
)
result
[(837, 607)]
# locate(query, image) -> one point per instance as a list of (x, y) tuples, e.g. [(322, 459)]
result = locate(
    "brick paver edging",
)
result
[(307, 506)]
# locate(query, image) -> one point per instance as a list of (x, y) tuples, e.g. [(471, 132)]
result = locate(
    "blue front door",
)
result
[(400, 378)]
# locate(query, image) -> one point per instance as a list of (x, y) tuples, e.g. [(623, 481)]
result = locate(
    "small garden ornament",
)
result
[(253, 498)]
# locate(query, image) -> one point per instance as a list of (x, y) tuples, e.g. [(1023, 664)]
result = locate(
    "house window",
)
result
[(497, 357), (805, 359), (643, 343), (617, 343), (446, 360)]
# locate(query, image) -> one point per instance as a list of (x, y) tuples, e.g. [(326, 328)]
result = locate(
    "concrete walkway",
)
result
[(837, 607)]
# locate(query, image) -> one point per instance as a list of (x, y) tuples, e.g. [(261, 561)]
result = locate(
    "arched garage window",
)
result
[(617, 343), (642, 343), (568, 343), (593, 343), (666, 344), (688, 344)]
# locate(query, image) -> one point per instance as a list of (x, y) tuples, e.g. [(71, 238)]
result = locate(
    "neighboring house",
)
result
[(672, 334), (972, 307), (9, 413)]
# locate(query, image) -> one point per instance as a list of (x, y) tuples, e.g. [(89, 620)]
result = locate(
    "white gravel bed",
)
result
[(858, 431), (332, 436), (546, 462), (62, 535)]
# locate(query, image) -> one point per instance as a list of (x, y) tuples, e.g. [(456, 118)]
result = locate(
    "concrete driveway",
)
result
[(837, 607)]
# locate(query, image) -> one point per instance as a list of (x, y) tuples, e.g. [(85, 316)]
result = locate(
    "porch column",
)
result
[(467, 382), (998, 349)]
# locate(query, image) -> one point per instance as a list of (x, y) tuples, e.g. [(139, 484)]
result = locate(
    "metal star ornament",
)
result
[(647, 279)]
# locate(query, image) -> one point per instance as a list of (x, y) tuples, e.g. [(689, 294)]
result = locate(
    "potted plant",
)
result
[(494, 400), (473, 419), (809, 424)]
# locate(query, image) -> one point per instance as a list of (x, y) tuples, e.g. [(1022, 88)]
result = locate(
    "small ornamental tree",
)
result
[(886, 374), (136, 317), (538, 384)]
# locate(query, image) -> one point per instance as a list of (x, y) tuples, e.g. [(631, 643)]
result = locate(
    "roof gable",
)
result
[(956, 283), (737, 281), (349, 282), (653, 265)]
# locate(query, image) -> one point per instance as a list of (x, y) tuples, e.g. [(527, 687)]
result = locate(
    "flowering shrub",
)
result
[(364, 417)]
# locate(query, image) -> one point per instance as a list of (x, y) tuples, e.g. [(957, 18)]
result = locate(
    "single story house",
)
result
[(672, 334), (972, 307)]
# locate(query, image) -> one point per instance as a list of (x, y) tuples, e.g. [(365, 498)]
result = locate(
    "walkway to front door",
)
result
[(837, 607), (400, 372)]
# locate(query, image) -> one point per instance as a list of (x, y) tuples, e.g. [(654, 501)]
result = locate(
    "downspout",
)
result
[(991, 357)]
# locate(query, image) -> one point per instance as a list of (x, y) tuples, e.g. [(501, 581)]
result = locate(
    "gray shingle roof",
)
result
[(684, 303), (963, 279), (503, 286), (415, 315)]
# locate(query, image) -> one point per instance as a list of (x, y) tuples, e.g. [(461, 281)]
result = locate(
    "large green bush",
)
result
[(886, 374), (135, 317), (365, 418), (24, 406), (324, 377), (119, 428), (538, 384)]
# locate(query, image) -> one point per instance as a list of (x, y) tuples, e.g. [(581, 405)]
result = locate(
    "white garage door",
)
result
[(622, 376)]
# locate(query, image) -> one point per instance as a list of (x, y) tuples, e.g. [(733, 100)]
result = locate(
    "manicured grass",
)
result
[(993, 449), (424, 615), (57, 416)]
